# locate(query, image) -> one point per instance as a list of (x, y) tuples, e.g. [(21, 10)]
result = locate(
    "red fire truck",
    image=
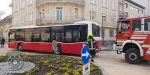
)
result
[(70, 37), (133, 39)]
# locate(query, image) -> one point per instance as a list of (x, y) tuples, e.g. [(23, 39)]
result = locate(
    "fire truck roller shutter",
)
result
[(133, 42)]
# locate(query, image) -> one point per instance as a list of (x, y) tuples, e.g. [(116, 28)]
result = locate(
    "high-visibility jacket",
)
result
[(91, 43)]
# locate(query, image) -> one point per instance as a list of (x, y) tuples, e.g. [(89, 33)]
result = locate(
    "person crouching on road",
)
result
[(2, 42), (91, 44)]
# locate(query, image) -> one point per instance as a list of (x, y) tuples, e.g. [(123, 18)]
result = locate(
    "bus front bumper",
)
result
[(117, 48)]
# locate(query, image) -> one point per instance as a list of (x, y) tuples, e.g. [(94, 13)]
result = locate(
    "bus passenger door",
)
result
[(68, 45)]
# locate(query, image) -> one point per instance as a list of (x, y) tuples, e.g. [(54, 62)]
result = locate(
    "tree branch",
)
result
[(1, 13)]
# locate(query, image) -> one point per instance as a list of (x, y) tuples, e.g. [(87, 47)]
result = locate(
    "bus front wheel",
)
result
[(132, 56)]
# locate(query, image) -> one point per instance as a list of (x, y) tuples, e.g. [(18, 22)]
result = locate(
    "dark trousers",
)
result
[(92, 55), (2, 44)]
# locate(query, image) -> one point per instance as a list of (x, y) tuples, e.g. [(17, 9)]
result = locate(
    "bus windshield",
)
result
[(96, 30)]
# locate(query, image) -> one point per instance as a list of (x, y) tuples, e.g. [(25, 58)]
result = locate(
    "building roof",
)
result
[(7, 19), (130, 1)]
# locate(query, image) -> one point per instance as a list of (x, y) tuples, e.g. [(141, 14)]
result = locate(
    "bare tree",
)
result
[(1, 13)]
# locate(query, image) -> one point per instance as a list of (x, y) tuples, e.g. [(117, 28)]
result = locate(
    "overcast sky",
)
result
[(4, 5)]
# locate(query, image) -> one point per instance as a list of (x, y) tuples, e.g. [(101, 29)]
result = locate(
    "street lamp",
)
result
[(102, 30), (40, 18)]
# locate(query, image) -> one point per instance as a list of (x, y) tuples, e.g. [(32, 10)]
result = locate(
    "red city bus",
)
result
[(70, 37)]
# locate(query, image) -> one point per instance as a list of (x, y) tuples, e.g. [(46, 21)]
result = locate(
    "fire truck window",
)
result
[(136, 25), (125, 25), (147, 25)]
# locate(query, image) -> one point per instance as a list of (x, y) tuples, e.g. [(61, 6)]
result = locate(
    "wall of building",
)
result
[(25, 14), (133, 10), (146, 4)]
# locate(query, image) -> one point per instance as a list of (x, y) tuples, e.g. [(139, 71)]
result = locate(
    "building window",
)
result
[(111, 33), (105, 17), (22, 18), (113, 19), (130, 7), (92, 15), (30, 2), (113, 5), (16, 20), (43, 13), (141, 11), (93, 1), (22, 4), (31, 16), (76, 12), (126, 5), (59, 13), (126, 14), (104, 3)]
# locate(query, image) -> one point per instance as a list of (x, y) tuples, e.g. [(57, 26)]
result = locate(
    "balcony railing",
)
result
[(80, 2), (55, 20), (121, 13)]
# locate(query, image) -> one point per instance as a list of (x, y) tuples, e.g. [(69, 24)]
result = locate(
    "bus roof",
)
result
[(86, 22), (134, 18), (33, 26), (76, 23)]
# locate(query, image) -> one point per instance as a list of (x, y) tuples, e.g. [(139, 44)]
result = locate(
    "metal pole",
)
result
[(39, 28), (40, 18), (102, 32)]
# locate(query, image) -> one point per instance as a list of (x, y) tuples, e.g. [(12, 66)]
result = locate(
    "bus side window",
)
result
[(76, 33), (11, 37)]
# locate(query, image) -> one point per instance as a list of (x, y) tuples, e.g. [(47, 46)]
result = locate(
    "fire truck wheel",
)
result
[(132, 56), (19, 47), (58, 50)]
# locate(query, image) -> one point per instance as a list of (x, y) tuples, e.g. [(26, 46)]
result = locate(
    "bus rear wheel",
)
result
[(19, 47), (57, 51), (132, 56)]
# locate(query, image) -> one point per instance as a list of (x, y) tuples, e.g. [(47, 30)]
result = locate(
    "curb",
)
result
[(102, 69), (106, 50)]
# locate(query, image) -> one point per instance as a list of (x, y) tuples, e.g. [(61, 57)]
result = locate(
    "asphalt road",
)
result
[(115, 64), (110, 61)]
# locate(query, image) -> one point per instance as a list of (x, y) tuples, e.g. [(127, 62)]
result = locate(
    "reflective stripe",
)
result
[(91, 44)]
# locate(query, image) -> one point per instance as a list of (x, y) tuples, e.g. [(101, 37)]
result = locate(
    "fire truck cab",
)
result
[(133, 39)]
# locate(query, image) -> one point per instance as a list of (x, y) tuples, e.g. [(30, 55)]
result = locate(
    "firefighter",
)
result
[(91, 44)]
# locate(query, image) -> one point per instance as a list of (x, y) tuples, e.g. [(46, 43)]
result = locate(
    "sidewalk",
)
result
[(106, 48)]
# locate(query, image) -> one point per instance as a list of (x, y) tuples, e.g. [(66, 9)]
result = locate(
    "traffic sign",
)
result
[(85, 54), (86, 69)]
